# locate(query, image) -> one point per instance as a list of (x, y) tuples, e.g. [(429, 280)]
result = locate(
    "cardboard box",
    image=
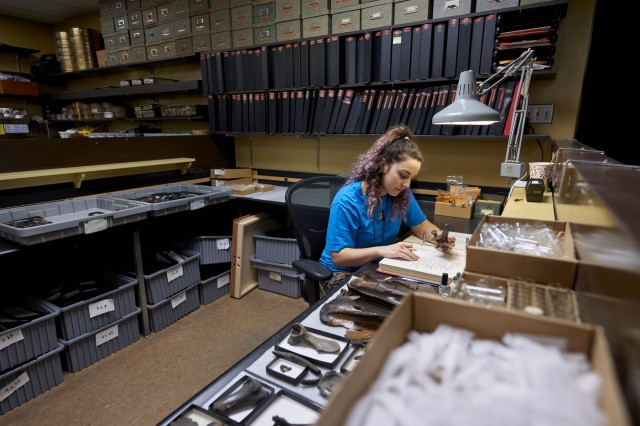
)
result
[(264, 187), (25, 88), (540, 269), (231, 173), (227, 182), (456, 204), (424, 312)]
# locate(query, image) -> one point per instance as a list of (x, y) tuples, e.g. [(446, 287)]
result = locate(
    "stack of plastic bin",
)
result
[(215, 265), (102, 323), (275, 251), (29, 353), (172, 292)]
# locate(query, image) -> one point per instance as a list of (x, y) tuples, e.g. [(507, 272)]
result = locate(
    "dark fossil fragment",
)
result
[(248, 395)]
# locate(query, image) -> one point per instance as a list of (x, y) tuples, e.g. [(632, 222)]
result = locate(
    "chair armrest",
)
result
[(313, 269)]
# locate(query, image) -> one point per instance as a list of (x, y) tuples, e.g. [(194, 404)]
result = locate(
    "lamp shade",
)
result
[(466, 108)]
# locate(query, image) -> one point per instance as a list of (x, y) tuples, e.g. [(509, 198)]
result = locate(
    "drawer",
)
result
[(446, 8), (241, 17), (345, 22), (219, 4), (486, 5), (406, 12), (107, 26), (121, 23), (149, 17), (314, 7), (197, 7), (125, 56), (184, 46), (221, 41), (165, 13), (135, 19), (200, 23), (265, 35), (182, 27), (316, 26), (180, 8), (136, 37), (122, 40), (287, 10), (220, 20), (264, 14), (242, 38), (201, 43), (338, 4), (138, 54), (288, 30), (152, 36), (376, 16)]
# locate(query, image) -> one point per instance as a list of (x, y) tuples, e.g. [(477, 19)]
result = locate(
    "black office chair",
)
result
[(308, 202)]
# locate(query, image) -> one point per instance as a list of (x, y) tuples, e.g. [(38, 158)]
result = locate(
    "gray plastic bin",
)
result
[(200, 196), (212, 249), (30, 340), (43, 222), (279, 246), (42, 373), (172, 309), (159, 288), (215, 287), (90, 348), (91, 314), (278, 278)]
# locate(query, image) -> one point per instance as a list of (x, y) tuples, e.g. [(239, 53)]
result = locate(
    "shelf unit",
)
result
[(220, 78)]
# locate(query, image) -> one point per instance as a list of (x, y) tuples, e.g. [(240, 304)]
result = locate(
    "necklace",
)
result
[(381, 216)]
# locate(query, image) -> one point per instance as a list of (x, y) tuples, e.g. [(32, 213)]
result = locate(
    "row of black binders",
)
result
[(430, 50), (348, 111)]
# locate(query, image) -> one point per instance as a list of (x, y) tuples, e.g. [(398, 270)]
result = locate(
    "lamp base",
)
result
[(513, 170)]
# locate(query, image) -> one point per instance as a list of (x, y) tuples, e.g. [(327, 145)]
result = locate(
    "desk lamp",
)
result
[(468, 110)]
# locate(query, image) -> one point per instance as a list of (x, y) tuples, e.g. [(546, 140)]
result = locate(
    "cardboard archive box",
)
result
[(539, 269), (424, 312), (231, 173)]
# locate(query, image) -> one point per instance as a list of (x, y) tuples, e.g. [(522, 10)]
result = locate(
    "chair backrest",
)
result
[(308, 202)]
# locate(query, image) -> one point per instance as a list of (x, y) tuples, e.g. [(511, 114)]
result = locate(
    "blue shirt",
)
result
[(349, 225)]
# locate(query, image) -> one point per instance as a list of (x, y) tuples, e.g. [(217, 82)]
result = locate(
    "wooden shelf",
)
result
[(78, 174), (190, 86)]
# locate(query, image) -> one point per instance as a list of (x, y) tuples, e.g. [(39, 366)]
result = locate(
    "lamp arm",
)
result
[(519, 114), (516, 65)]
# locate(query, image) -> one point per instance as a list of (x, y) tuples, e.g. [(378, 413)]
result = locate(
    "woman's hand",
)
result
[(399, 250)]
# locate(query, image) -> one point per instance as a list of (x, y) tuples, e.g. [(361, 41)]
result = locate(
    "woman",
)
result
[(368, 210)]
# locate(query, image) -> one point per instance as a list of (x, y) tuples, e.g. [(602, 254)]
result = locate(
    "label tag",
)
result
[(101, 307), (20, 381), (179, 299), (175, 272), (222, 281), (106, 335), (8, 339)]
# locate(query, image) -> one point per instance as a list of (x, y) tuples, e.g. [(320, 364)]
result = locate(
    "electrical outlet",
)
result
[(540, 114)]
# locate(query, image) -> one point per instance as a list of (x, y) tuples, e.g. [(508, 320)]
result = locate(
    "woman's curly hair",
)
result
[(396, 144)]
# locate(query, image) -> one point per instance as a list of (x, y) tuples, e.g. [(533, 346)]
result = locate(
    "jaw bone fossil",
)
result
[(301, 337), (248, 395)]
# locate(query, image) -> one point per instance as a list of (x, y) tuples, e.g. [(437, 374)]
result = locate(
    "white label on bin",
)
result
[(175, 272), (274, 276), (106, 335), (218, 172), (222, 244), (95, 225), (197, 204), (101, 307), (8, 339), (182, 297), (222, 281), (6, 392)]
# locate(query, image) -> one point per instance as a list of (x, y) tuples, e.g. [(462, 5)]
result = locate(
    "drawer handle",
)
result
[(411, 9), (377, 15), (452, 4), (167, 49), (164, 11), (264, 34), (345, 21), (154, 51)]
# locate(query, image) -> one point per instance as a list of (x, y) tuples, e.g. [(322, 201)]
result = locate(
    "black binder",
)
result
[(364, 100), (248, 70), (350, 60), (396, 54), (385, 51), (236, 117), (212, 113), (272, 105), (367, 58), (451, 54), (450, 129), (398, 107), (416, 42), (405, 54), (327, 111), (313, 69), (345, 107), (321, 62), (408, 106), (335, 111), (366, 118), (319, 110), (426, 130), (464, 45), (376, 55), (441, 103), (295, 49), (477, 29), (288, 65), (376, 110), (438, 49), (251, 126), (426, 40), (279, 71), (285, 107), (354, 113), (491, 101), (241, 73), (424, 109), (205, 73), (334, 61), (298, 123), (306, 111), (223, 105), (488, 43), (304, 63), (265, 67), (292, 111), (414, 116), (227, 68), (383, 119)]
